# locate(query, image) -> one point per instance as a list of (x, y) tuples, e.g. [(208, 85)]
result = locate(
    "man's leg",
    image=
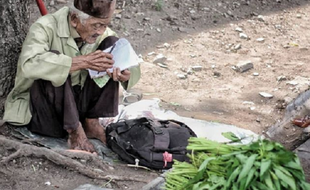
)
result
[(98, 102), (54, 113)]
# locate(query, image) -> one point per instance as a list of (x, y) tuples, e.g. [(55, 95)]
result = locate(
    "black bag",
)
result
[(155, 143)]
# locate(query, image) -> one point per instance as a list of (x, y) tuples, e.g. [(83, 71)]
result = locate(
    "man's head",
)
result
[(91, 17)]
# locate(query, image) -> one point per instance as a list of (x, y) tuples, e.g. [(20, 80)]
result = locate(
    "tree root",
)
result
[(63, 158)]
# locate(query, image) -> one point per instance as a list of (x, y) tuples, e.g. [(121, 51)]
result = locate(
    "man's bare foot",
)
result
[(77, 140), (93, 129)]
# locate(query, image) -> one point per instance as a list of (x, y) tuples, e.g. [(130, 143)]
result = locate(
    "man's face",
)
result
[(93, 27)]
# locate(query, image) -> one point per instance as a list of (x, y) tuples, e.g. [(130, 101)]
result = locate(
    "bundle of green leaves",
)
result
[(260, 165)]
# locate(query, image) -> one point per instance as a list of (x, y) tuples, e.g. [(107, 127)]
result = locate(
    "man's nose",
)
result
[(101, 31)]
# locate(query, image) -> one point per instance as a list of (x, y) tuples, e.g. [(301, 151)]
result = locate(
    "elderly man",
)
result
[(53, 93)]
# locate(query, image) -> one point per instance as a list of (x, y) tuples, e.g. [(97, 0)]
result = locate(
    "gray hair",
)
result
[(81, 15)]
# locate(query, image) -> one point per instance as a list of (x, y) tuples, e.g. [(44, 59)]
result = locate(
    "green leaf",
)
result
[(304, 185), (231, 136), (247, 167), (200, 173), (275, 180), (242, 158), (250, 177), (242, 184), (268, 145), (268, 181), (286, 179), (264, 166), (294, 165), (232, 177), (260, 185)]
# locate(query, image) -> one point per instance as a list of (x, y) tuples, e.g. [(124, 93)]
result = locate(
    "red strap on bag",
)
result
[(167, 157)]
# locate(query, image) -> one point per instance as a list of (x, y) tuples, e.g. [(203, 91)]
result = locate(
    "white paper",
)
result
[(123, 55)]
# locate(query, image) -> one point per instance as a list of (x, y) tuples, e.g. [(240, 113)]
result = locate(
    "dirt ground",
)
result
[(202, 42)]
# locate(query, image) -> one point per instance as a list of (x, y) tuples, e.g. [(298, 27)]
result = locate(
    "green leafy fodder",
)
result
[(259, 165)]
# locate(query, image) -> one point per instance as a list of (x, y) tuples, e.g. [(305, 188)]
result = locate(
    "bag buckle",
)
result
[(158, 131)]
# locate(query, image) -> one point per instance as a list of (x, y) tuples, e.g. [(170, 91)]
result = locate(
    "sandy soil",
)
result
[(203, 42)]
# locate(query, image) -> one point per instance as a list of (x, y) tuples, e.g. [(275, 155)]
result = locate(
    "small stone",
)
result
[(61, 1), (266, 95), (181, 76), (281, 78), (260, 39), (166, 45), (298, 15), (293, 83), (127, 17), (244, 66), (151, 53), (160, 58), (140, 14), (158, 30), (197, 68), (189, 71), (52, 3), (47, 183), (230, 13), (147, 19), (126, 33), (182, 29), (98, 170), (243, 36), (261, 18), (118, 16), (163, 65), (248, 102), (192, 11), (237, 47), (255, 74), (238, 29)]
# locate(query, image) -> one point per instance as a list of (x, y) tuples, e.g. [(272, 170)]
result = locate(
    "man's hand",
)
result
[(98, 61), (121, 76)]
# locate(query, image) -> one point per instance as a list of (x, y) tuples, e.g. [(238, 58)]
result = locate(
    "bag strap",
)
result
[(192, 133), (126, 125), (161, 135)]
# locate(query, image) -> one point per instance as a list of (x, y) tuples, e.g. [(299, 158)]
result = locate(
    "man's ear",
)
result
[(74, 20)]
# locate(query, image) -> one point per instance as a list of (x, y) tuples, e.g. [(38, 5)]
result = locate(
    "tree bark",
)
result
[(284, 131), (14, 21)]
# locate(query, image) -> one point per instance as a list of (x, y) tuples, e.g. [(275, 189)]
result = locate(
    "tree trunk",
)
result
[(284, 131), (14, 21)]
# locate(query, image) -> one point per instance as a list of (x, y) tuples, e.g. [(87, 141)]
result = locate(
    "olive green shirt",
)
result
[(36, 61)]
